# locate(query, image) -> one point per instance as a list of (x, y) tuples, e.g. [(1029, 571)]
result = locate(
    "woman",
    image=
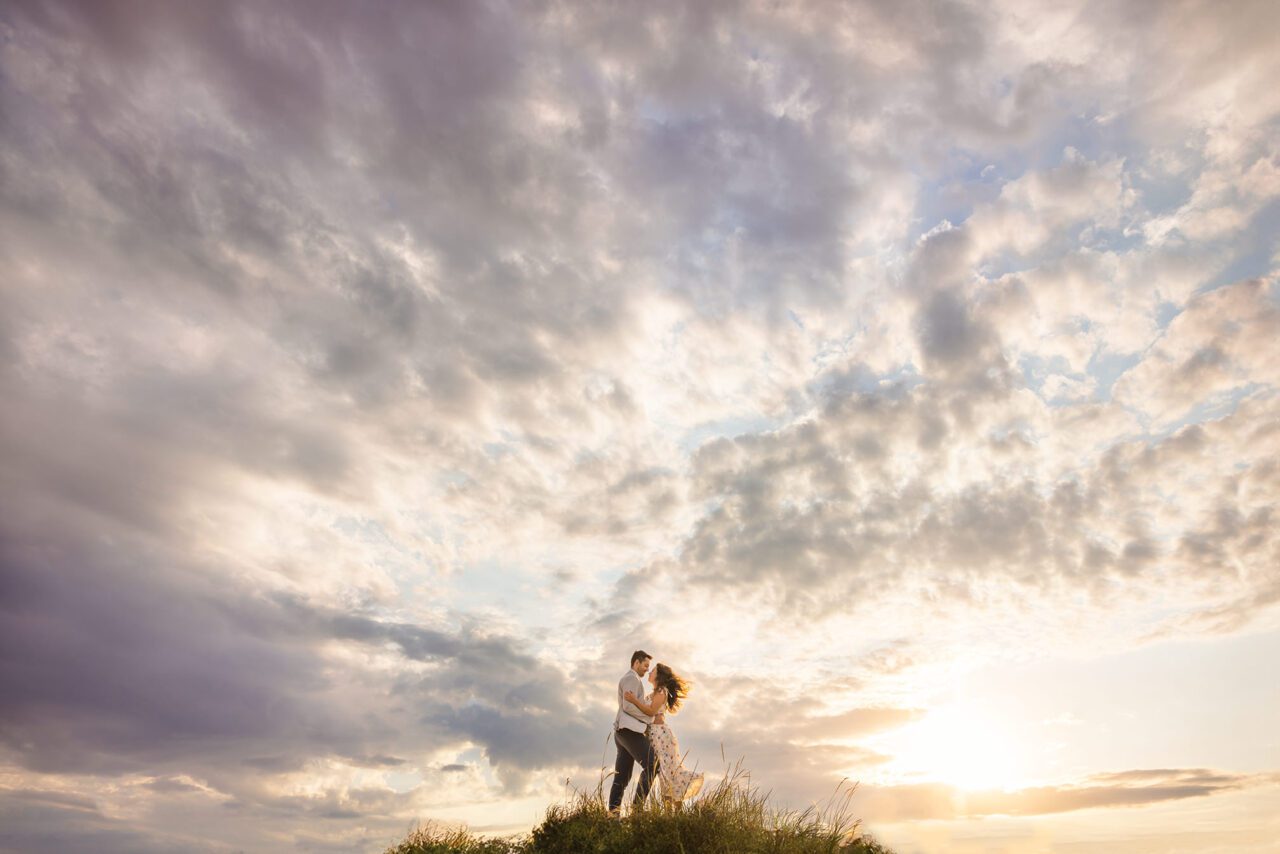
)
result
[(669, 690)]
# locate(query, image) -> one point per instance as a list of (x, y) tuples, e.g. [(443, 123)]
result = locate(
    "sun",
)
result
[(962, 744)]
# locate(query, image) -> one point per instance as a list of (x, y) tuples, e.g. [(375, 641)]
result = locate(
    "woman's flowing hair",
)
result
[(677, 688)]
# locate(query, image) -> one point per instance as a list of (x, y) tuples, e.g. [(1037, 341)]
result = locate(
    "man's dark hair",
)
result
[(638, 655)]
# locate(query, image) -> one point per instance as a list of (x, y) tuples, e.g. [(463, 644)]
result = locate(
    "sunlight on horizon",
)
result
[(963, 744)]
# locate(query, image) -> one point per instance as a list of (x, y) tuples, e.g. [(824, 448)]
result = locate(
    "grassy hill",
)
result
[(733, 818)]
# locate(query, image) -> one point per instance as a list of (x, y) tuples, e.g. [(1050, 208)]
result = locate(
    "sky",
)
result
[(376, 377)]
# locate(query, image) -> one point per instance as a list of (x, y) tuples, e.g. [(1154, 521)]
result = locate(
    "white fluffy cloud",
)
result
[(374, 383)]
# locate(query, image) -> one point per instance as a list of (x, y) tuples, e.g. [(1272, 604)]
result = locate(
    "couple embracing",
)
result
[(642, 734)]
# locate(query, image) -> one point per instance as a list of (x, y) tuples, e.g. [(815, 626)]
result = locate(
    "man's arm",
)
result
[(632, 683), (653, 708)]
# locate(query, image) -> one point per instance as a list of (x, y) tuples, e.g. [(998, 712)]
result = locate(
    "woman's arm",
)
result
[(655, 706)]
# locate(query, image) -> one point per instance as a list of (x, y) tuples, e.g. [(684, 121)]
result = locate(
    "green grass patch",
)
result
[(732, 818)]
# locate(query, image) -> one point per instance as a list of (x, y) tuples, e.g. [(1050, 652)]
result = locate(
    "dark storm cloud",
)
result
[(128, 648), (124, 669), (38, 820), (48, 821), (129, 660), (108, 668)]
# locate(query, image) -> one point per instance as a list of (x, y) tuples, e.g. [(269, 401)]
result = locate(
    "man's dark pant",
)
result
[(633, 747)]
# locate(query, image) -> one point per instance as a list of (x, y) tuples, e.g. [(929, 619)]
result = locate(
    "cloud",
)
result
[(1118, 789), (1213, 348), (36, 820), (852, 723), (869, 511), (1053, 205), (140, 658), (138, 670), (375, 384)]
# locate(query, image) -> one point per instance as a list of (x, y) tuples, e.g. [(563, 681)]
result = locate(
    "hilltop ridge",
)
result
[(733, 818)]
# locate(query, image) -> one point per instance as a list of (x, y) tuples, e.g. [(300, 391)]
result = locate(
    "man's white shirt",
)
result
[(629, 715)]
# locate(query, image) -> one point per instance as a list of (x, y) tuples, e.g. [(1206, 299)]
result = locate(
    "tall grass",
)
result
[(436, 839), (734, 817)]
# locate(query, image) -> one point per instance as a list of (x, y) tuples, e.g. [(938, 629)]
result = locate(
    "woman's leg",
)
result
[(667, 767)]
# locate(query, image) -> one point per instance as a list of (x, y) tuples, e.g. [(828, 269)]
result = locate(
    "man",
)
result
[(629, 735)]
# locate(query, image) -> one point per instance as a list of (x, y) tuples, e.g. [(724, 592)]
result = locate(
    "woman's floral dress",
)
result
[(678, 782)]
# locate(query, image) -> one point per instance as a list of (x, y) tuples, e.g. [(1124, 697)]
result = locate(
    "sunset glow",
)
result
[(963, 745)]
